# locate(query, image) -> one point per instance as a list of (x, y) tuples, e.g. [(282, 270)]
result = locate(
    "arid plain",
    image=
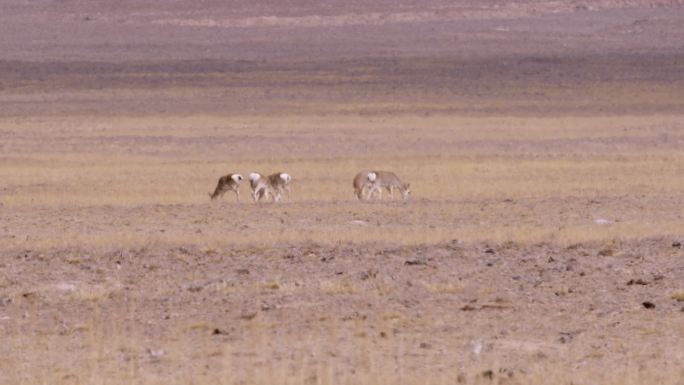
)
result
[(542, 140)]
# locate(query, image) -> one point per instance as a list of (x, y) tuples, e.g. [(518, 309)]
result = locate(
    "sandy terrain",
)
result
[(542, 141), (348, 313)]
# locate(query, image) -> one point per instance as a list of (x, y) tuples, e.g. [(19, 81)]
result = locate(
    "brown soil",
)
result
[(542, 140), (446, 308)]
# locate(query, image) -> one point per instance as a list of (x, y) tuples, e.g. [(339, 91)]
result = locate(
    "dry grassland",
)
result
[(86, 182), (118, 269), (537, 246)]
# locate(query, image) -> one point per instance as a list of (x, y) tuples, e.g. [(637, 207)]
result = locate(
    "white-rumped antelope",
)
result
[(390, 181), (230, 182), (260, 187), (279, 183), (362, 182)]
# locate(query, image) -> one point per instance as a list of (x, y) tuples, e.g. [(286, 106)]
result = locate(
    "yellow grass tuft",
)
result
[(678, 296), (269, 285), (339, 287), (442, 288)]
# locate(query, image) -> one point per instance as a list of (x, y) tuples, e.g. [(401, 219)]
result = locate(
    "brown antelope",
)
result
[(390, 181), (274, 185), (362, 181), (230, 182), (280, 182), (260, 187)]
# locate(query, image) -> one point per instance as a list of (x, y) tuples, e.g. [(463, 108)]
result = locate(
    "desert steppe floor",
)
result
[(543, 145)]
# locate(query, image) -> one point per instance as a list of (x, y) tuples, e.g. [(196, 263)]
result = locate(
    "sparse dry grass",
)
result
[(123, 178), (339, 287), (379, 358), (495, 180), (442, 288), (488, 173)]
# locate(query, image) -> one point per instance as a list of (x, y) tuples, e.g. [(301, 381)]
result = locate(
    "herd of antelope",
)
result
[(366, 183)]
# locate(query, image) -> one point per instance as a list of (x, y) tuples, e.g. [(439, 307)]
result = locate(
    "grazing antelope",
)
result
[(260, 187), (273, 185), (362, 181), (230, 182), (280, 182), (390, 181)]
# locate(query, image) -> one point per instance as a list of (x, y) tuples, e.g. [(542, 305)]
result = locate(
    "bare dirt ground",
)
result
[(542, 141)]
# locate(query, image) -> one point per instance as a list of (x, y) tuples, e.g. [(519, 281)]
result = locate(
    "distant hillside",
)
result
[(70, 30)]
